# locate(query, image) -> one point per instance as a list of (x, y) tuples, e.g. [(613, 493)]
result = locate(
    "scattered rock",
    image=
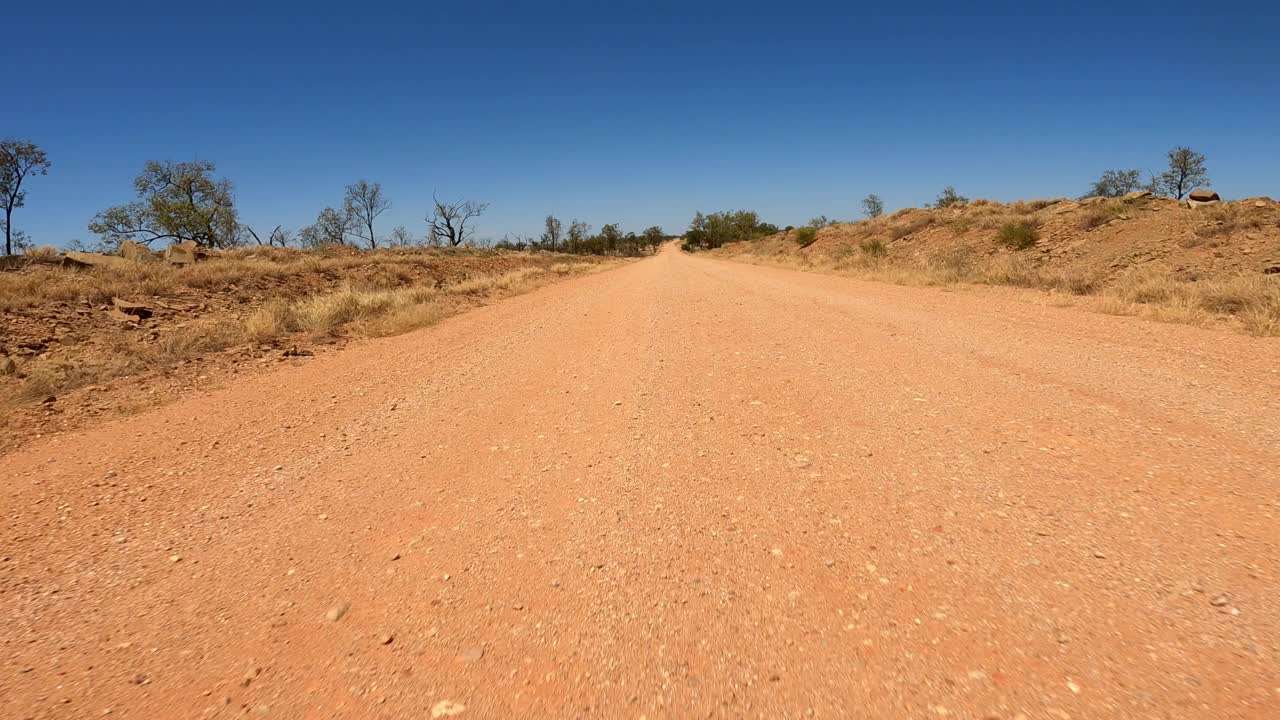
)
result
[(337, 611), (8, 366), (1138, 195), (447, 708), (138, 310), (1220, 600), (386, 638)]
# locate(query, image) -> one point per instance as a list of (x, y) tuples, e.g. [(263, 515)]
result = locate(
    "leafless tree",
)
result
[(363, 203), (448, 222), (400, 237), (279, 237), (551, 235)]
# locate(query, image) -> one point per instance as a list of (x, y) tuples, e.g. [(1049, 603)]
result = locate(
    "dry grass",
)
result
[(1250, 303), (380, 304)]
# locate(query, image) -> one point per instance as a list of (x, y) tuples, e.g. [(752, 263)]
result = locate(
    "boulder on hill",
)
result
[(136, 251), (88, 259), (1138, 195), (1198, 198), (183, 253)]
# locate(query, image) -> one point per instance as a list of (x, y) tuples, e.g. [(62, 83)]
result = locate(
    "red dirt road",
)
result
[(682, 488)]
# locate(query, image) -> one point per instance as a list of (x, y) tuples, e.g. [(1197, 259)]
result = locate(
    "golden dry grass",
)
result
[(376, 306), (1249, 303)]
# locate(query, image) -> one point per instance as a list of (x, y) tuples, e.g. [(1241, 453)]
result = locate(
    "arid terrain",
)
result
[(1217, 265), (681, 487), (70, 356)]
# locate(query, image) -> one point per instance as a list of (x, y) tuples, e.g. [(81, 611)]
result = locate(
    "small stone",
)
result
[(387, 638), (447, 708), (395, 556), (1099, 554), (337, 611), (617, 402), (472, 654), (1220, 601), (175, 558)]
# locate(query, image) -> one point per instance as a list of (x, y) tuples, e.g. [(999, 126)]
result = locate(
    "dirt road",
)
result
[(683, 488)]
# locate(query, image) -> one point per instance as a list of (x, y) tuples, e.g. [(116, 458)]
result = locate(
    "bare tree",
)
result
[(448, 221), (18, 159), (279, 237), (551, 235), (1186, 172), (363, 203), (400, 237)]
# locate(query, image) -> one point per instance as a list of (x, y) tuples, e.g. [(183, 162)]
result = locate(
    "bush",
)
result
[(1018, 236), (805, 236), (949, 198), (873, 248)]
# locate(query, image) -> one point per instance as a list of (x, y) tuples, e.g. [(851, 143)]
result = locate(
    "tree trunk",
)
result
[(8, 231)]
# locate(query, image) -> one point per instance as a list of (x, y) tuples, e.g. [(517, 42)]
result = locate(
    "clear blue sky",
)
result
[(637, 113)]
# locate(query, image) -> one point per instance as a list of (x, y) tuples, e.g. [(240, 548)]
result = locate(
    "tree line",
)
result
[(186, 201), (580, 240)]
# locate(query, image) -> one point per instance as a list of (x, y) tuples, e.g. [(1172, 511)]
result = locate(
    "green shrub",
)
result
[(873, 247), (1018, 236), (805, 236)]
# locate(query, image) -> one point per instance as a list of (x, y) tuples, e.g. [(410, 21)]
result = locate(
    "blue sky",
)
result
[(637, 113)]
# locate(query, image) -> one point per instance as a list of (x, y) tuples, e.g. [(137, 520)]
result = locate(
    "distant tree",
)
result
[(653, 237), (177, 201), (949, 197), (712, 231), (332, 226), (819, 222), (610, 237), (18, 160), (363, 203), (400, 237), (551, 233), (872, 206), (448, 222), (579, 231), (1186, 172), (1115, 183)]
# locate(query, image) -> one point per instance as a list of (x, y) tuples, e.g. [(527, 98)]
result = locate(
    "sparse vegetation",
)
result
[(872, 206), (873, 247), (1018, 235), (949, 198), (307, 292), (19, 160), (1250, 303), (805, 236), (1115, 183), (1100, 214), (1186, 172)]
